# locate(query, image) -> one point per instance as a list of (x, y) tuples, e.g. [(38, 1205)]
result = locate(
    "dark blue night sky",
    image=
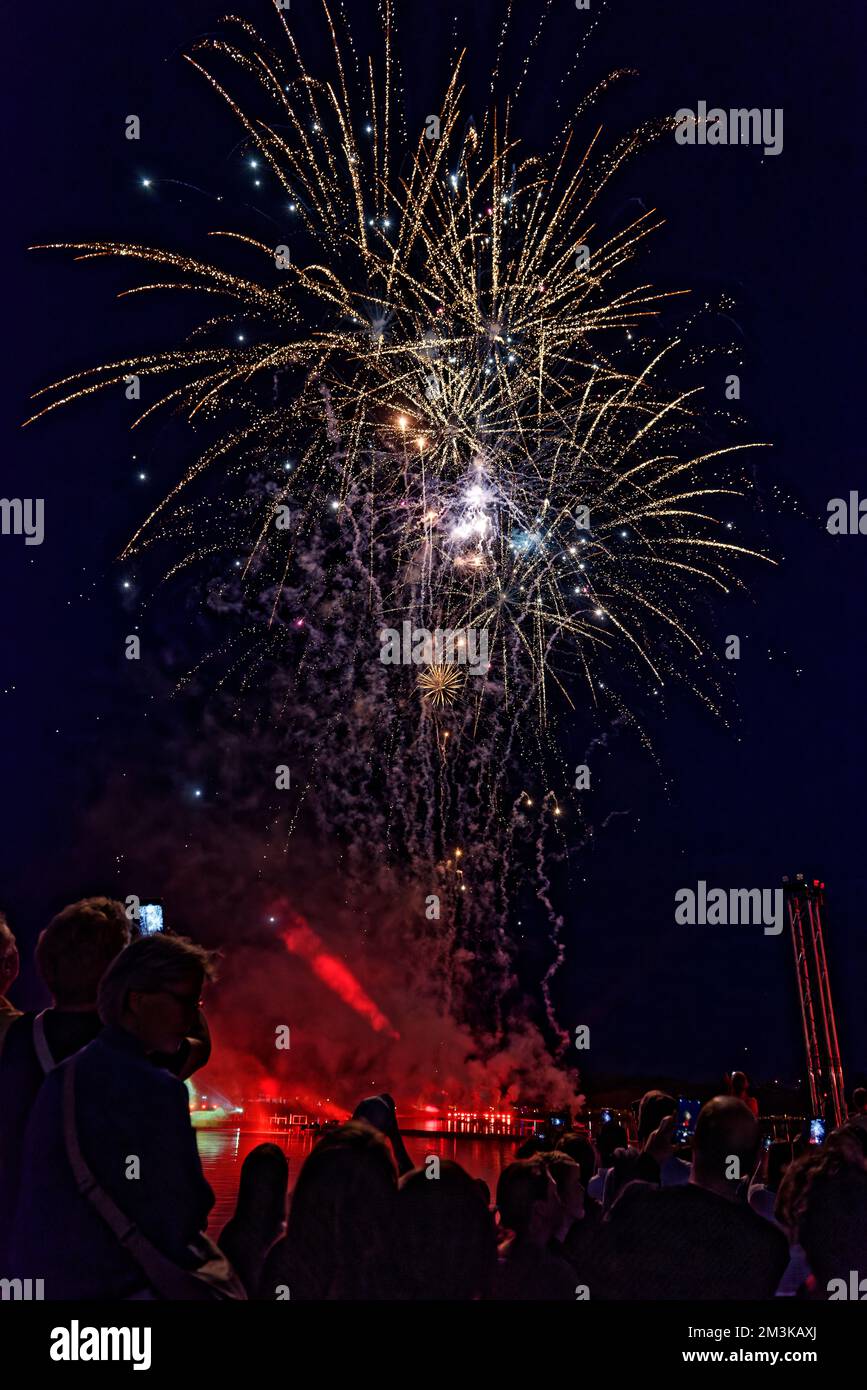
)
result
[(783, 791)]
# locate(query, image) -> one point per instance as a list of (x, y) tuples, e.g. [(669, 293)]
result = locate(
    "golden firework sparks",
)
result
[(441, 682), (439, 339)]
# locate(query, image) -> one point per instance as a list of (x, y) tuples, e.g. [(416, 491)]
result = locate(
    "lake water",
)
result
[(223, 1150)]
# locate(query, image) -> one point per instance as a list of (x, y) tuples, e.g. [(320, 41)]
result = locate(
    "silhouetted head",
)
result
[(77, 947), (851, 1139), (566, 1173), (446, 1237), (740, 1083), (529, 1148), (527, 1200), (377, 1111), (339, 1238), (823, 1202), (153, 990), (611, 1136), (262, 1189), (725, 1130), (859, 1100), (582, 1152), (654, 1108)]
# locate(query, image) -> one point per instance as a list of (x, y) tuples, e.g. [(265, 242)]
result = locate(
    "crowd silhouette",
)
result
[(102, 1194)]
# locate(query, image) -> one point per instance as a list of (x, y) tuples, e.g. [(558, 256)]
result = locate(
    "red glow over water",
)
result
[(223, 1150)]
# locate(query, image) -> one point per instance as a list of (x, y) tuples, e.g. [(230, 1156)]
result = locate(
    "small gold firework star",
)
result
[(441, 682)]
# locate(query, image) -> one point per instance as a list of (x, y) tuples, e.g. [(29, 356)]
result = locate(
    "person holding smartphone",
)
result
[(700, 1240), (650, 1161)]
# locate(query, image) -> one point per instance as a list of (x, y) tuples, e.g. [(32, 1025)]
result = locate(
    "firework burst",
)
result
[(435, 396), (434, 330), (441, 683)]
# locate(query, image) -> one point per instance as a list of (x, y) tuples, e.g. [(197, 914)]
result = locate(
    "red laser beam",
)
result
[(301, 940)]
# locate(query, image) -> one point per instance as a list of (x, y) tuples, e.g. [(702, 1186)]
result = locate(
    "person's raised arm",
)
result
[(193, 1052)]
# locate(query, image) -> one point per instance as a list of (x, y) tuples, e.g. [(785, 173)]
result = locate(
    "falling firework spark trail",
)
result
[(471, 450)]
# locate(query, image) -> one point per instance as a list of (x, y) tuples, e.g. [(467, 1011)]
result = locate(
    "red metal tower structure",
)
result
[(806, 905)]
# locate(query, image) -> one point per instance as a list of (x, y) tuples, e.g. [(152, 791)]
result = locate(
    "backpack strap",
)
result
[(213, 1281), (87, 1184), (40, 1044)]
